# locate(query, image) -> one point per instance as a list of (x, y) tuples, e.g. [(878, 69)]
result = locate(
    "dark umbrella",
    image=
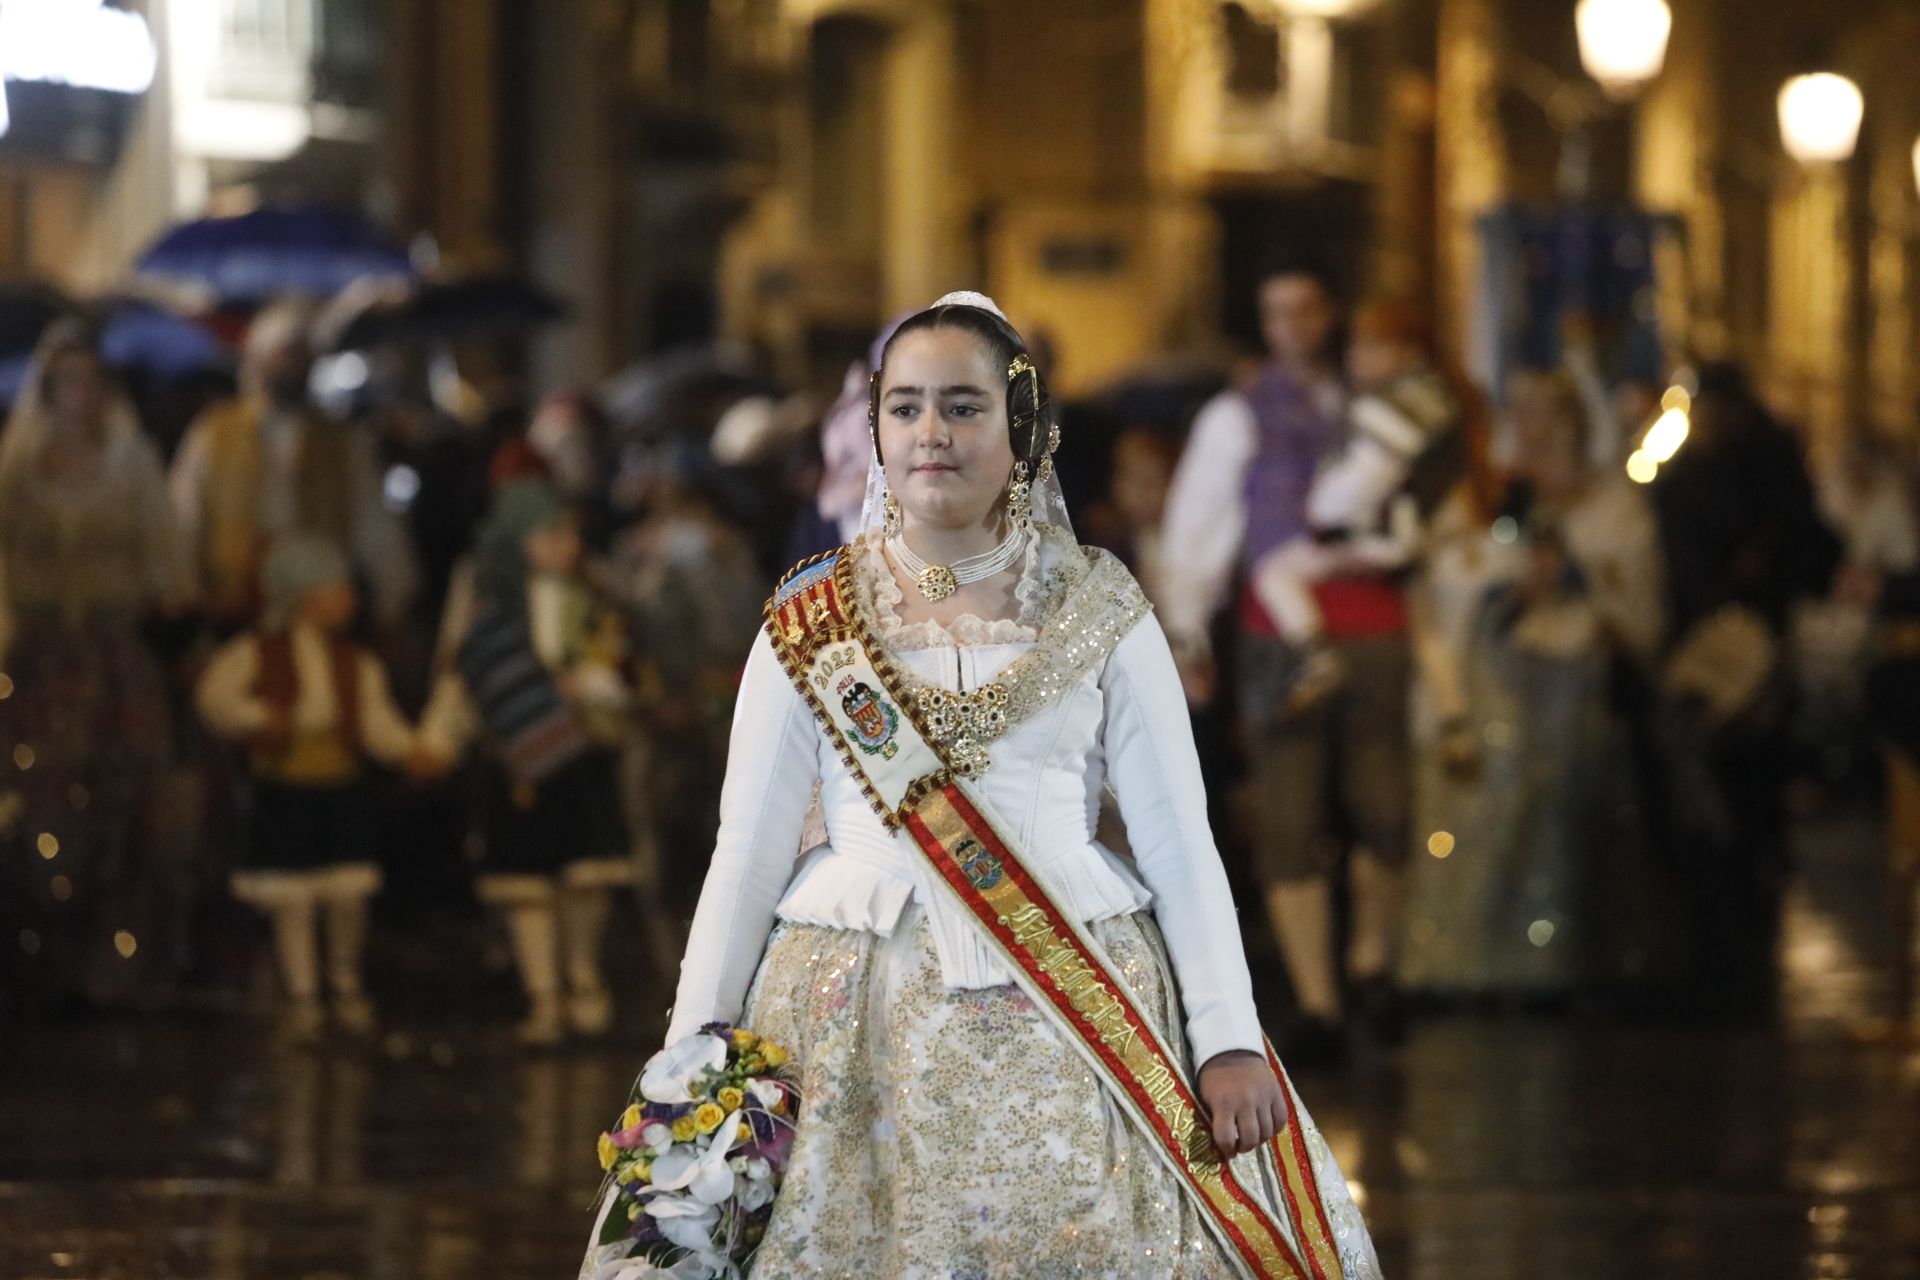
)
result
[(253, 257), (684, 387), (25, 313), (453, 311)]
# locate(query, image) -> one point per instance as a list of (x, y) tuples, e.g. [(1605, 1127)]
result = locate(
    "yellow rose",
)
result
[(776, 1056), (629, 1173), (630, 1117), (744, 1040), (683, 1130), (732, 1099), (708, 1117), (753, 1064), (607, 1151), (745, 1131)]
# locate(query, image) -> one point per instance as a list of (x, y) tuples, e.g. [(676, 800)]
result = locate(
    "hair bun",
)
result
[(969, 298)]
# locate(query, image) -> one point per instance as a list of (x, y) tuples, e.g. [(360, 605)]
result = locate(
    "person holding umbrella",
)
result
[(269, 463)]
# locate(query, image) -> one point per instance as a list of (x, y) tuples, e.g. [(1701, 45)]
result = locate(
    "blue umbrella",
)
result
[(13, 376), (137, 337), (253, 257)]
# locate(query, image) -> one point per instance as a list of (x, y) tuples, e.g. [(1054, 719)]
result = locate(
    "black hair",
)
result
[(1029, 404), (1284, 266)]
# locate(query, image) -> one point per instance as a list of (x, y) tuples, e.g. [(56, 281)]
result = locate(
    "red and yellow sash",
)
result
[(1266, 1207)]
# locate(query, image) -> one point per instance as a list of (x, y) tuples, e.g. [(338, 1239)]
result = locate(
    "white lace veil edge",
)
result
[(27, 429)]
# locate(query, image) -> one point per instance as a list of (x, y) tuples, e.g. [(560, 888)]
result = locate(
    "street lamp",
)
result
[(1820, 117), (1623, 43)]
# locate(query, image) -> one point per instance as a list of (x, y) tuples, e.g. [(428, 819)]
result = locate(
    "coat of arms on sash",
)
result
[(982, 868), (875, 721)]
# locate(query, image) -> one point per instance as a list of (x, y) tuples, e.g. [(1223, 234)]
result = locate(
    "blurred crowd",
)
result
[(362, 654)]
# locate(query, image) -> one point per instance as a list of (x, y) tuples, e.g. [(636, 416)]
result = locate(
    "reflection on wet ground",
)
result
[(1566, 1149)]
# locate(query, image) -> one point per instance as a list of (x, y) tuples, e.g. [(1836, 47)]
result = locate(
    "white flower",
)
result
[(755, 1195), (684, 1222), (657, 1137), (758, 1169), (702, 1174), (738, 1164), (670, 1074), (768, 1092)]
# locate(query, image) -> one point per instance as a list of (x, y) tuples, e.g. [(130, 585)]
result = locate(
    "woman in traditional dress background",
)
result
[(1522, 793), (948, 1128), (99, 841)]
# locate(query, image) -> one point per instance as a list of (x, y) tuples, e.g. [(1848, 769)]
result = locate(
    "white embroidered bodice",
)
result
[(1086, 714)]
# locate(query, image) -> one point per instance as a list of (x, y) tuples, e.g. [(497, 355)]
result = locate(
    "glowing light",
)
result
[(402, 487), (1916, 155), (1666, 435), (1540, 932), (6, 681), (76, 42), (126, 944), (30, 942), (1623, 43), (49, 845), (61, 888), (1506, 531), (1440, 844), (1640, 468), (1676, 397), (1820, 117), (79, 797), (23, 757)]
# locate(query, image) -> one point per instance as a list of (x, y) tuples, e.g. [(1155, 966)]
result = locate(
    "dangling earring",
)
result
[(1020, 497), (890, 525)]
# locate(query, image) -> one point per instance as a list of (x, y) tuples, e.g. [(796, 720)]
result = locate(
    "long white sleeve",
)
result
[(384, 731), (1155, 773), (225, 697), (772, 764), (1206, 517)]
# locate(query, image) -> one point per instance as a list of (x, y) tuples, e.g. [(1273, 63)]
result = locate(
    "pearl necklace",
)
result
[(938, 581)]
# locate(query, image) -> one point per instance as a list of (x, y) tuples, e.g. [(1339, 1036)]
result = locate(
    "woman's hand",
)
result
[(1243, 1099)]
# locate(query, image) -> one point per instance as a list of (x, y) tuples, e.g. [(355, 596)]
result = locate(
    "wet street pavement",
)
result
[(1580, 1147)]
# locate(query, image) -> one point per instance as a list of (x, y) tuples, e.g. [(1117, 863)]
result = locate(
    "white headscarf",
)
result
[(1049, 501), (29, 429)]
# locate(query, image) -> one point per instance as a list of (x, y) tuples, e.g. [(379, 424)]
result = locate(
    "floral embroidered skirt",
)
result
[(953, 1133)]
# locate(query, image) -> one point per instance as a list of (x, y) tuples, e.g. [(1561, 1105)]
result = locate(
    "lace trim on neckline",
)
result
[(968, 629)]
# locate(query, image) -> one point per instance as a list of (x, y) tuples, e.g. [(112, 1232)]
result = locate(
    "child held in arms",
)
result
[(314, 711), (1404, 450)]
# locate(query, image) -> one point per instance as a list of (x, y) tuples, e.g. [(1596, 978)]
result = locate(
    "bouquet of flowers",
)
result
[(695, 1158)]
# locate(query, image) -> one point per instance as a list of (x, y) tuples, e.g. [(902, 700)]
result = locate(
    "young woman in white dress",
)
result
[(948, 1128)]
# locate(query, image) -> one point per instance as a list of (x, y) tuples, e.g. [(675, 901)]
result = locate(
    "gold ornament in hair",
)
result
[(1027, 421)]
